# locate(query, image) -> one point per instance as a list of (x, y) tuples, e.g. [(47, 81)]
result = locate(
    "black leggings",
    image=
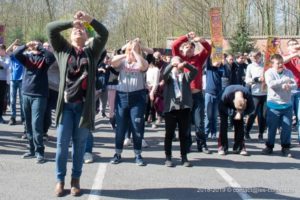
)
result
[(260, 112)]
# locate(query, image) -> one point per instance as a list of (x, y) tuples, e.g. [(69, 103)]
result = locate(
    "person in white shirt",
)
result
[(255, 79), (152, 81)]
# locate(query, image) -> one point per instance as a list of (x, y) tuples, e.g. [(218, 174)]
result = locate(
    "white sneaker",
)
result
[(88, 158), (144, 144), (154, 126), (127, 142)]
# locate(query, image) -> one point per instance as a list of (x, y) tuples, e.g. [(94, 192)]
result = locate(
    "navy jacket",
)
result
[(213, 79), (226, 105), (35, 80)]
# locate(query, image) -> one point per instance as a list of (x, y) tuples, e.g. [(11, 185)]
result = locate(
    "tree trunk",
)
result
[(49, 10)]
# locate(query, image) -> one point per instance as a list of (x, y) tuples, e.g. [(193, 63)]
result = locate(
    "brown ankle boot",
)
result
[(59, 189), (75, 187)]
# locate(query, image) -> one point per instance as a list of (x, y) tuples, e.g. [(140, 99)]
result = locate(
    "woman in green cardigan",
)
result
[(75, 111)]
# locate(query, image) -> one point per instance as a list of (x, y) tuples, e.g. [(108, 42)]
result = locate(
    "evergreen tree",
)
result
[(241, 42)]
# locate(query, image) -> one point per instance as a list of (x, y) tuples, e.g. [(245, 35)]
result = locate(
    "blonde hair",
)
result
[(130, 46)]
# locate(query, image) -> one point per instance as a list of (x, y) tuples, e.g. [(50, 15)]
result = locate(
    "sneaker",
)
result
[(286, 152), (186, 163), (116, 159), (28, 155), (40, 158), (244, 152), (12, 121), (222, 152), (267, 151), (139, 160), (154, 126), (88, 158), (144, 144), (127, 142), (204, 150), (169, 163), (260, 138)]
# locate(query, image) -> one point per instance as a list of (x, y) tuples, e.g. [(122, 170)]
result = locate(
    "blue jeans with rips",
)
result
[(67, 129), (130, 109)]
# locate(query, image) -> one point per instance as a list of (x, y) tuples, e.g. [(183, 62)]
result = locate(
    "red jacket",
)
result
[(294, 66), (197, 60)]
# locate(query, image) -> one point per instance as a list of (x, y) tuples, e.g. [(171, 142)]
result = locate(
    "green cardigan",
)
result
[(62, 49)]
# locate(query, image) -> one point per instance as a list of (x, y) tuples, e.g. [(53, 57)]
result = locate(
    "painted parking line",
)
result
[(95, 193), (235, 185)]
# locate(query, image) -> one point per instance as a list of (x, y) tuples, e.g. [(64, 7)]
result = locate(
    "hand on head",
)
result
[(32, 45), (136, 46), (82, 16), (198, 39), (217, 64), (137, 40), (181, 65), (78, 24), (191, 35), (175, 61)]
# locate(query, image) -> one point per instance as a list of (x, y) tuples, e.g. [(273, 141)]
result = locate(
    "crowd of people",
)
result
[(188, 90)]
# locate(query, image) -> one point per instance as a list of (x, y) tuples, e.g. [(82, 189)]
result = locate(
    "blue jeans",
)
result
[(130, 109), (296, 102), (67, 129), (16, 86), (198, 120), (89, 143), (284, 118), (34, 110), (211, 110)]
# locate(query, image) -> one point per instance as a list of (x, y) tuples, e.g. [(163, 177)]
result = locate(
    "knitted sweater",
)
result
[(35, 80)]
